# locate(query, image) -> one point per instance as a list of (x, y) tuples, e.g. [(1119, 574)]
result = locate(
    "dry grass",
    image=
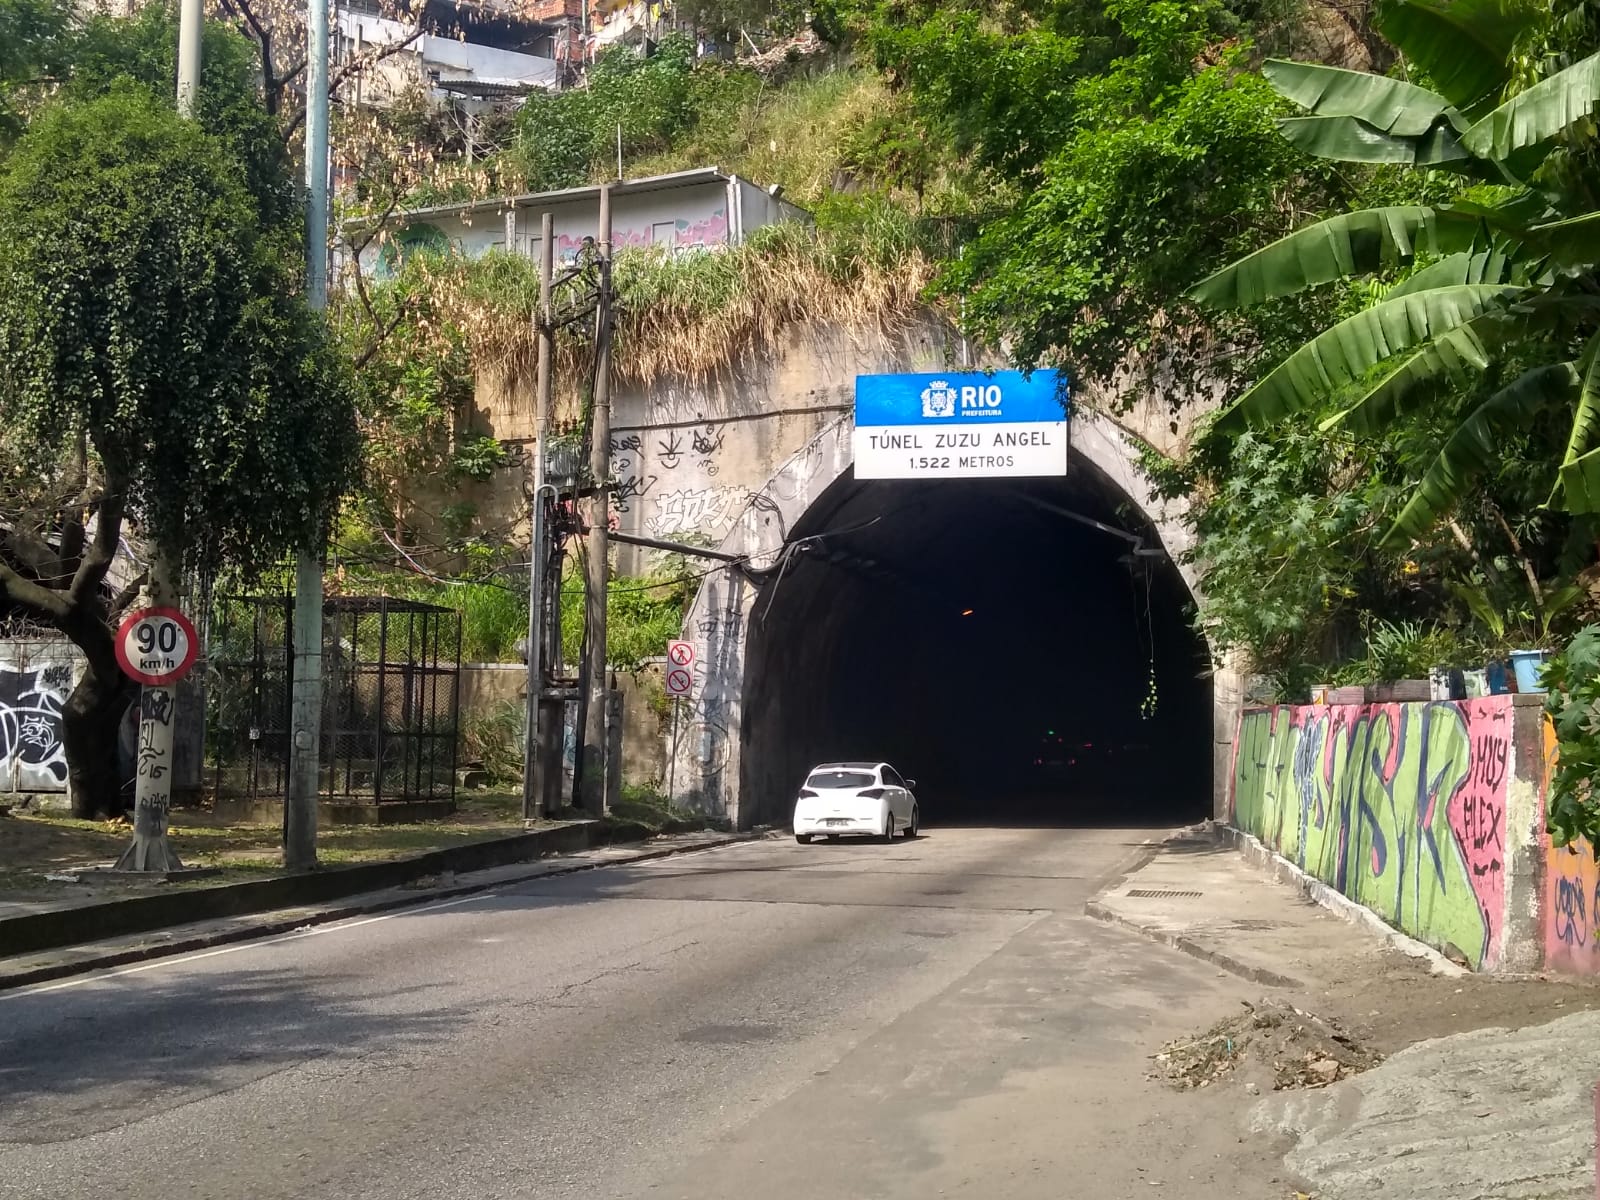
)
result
[(695, 314)]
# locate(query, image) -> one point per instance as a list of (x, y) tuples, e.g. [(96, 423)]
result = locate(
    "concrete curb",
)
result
[(1281, 870), (301, 919), (1191, 947)]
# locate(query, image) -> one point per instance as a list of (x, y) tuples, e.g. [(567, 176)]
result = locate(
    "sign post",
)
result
[(156, 647), (680, 669), (680, 683), (961, 426)]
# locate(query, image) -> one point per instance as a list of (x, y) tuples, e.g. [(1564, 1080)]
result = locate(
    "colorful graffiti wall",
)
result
[(1401, 807)]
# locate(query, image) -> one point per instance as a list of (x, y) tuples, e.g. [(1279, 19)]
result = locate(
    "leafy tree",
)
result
[(1133, 150), (156, 368), (564, 136), (144, 48), (1508, 267), (34, 40)]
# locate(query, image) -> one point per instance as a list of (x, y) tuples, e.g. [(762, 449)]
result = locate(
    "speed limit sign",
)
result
[(156, 646)]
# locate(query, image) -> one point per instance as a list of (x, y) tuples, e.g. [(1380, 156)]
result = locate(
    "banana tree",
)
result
[(1511, 271)]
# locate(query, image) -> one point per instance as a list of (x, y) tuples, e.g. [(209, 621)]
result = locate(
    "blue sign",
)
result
[(959, 398)]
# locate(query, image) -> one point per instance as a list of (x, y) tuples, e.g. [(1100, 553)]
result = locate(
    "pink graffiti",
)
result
[(1477, 810), (708, 231)]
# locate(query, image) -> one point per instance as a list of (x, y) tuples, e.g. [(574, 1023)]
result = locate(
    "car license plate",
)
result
[(836, 821)]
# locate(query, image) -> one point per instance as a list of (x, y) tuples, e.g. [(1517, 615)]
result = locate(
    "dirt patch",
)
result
[(1391, 1001), (1272, 1044)]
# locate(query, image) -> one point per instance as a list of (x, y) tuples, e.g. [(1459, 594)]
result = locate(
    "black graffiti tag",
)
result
[(155, 704), (1572, 921), (708, 441), (670, 450), (630, 488)]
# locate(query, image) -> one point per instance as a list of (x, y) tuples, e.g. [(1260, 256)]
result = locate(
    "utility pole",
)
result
[(593, 764), (535, 762), (300, 794)]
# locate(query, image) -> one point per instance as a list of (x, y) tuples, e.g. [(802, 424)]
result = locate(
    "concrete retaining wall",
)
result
[(1429, 814)]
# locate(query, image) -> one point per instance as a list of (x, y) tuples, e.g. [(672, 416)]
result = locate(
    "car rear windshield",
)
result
[(840, 779)]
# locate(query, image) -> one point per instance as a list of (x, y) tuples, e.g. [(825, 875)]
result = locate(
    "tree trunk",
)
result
[(91, 720)]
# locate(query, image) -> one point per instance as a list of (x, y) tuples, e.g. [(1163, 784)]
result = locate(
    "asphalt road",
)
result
[(766, 1021)]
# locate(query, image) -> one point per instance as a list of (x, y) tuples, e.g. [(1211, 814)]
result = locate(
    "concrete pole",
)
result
[(191, 30), (533, 766), (300, 798), (152, 796), (593, 765)]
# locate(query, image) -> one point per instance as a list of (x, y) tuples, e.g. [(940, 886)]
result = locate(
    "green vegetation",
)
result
[(157, 365), (1510, 265), (1573, 678), (644, 804), (642, 615)]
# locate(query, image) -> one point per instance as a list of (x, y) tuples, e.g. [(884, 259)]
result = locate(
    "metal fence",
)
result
[(390, 698)]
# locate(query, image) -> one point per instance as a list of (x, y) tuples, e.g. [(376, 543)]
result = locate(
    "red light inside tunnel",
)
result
[(966, 612)]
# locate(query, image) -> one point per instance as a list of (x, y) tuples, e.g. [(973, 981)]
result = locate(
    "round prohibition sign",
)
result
[(681, 654), (679, 682), (156, 646)]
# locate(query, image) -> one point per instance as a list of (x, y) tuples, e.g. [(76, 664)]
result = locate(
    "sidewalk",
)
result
[(1201, 896), (42, 966), (1488, 1085)]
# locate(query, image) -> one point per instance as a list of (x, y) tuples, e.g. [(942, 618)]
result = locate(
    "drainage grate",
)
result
[(1159, 894)]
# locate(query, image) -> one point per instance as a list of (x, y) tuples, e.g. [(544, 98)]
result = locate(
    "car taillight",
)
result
[(872, 793), (807, 794)]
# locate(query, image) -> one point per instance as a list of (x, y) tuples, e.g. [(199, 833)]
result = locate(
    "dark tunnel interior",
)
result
[(992, 648)]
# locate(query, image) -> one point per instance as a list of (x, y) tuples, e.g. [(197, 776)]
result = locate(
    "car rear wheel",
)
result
[(914, 826), (888, 828), (803, 838)]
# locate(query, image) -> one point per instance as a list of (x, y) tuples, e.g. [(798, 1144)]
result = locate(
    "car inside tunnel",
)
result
[(1023, 649)]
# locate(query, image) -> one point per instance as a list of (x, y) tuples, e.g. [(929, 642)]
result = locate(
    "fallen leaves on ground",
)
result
[(1295, 1048)]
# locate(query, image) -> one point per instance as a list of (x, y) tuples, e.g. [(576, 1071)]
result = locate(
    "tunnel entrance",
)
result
[(992, 643)]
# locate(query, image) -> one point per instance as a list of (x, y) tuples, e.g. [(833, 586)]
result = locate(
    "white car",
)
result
[(855, 798)]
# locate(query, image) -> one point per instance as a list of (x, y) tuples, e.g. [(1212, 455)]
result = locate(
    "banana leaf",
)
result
[(1548, 108), (1356, 243), (1463, 45), (1580, 483), (1570, 243), (1452, 355), (1477, 443), (1350, 139), (1344, 353), (1485, 266), (1585, 420), (1390, 105)]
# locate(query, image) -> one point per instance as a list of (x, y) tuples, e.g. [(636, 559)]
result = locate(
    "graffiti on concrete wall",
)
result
[(1570, 912), (31, 696), (710, 511), (1401, 807), (669, 475), (686, 234)]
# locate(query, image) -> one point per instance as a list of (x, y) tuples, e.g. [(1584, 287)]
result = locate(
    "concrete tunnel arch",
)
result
[(846, 637)]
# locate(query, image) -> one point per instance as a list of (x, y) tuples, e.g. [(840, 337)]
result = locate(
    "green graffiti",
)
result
[(1360, 797)]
